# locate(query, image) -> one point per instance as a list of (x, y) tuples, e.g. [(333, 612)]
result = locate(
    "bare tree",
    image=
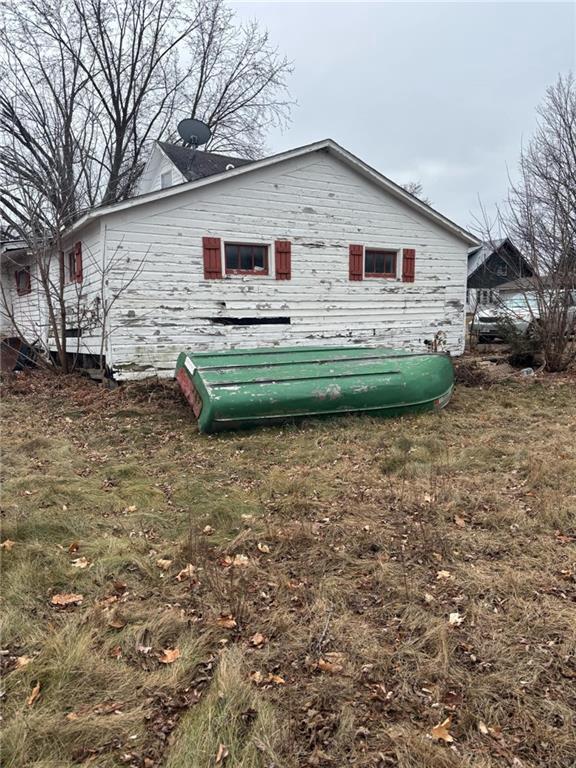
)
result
[(415, 188), (540, 218), (87, 85)]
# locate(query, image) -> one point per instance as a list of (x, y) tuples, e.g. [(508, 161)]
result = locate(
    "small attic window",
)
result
[(166, 180)]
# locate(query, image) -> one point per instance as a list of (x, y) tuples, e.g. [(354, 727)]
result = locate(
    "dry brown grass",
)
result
[(346, 543)]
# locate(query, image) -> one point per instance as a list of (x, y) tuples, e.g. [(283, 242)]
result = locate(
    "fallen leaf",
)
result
[(328, 666), (115, 652), (163, 564), (427, 498), (455, 619), (264, 548), (186, 573), (257, 677), (428, 598), (483, 728), (80, 562), (222, 754), (460, 522), (72, 716), (441, 732), (208, 530), (22, 661), (241, 560), (64, 599), (74, 547), (169, 655), (443, 575), (34, 695), (131, 508), (226, 621), (257, 640), (7, 544), (276, 679)]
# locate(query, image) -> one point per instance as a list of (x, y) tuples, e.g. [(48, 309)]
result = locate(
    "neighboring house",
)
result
[(490, 265), (22, 305), (171, 164), (310, 246)]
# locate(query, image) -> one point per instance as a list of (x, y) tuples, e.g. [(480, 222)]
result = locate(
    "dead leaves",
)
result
[(222, 754), (441, 732), (264, 548), (80, 562), (456, 619), (443, 575), (7, 544), (23, 661), (258, 678), (168, 655), (226, 621), (459, 521), (258, 640), (65, 599), (186, 573), (34, 695), (332, 663), (163, 564)]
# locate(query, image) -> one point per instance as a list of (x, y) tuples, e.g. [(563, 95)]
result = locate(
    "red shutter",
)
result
[(408, 265), (212, 258), (283, 259), (356, 255), (78, 263)]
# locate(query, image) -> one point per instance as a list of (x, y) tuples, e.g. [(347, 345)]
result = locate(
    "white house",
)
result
[(305, 247)]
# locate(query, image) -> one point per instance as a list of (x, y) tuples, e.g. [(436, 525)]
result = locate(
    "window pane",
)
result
[(231, 253), (389, 265), (246, 258), (379, 263), (368, 262), (259, 258)]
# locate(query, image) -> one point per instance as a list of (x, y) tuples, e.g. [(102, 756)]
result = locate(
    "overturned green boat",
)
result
[(250, 387)]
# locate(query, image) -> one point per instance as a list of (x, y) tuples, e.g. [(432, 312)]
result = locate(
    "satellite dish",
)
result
[(193, 132)]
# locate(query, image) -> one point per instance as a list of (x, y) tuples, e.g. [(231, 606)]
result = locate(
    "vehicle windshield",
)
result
[(520, 303)]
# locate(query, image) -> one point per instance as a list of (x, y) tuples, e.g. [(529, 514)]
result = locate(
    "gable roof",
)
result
[(326, 145), (479, 255), (194, 164)]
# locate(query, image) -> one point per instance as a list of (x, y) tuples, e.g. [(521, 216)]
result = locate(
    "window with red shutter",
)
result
[(212, 253), (356, 253), (408, 265), (283, 259)]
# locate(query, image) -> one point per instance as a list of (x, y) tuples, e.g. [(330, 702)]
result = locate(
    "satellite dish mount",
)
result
[(193, 132)]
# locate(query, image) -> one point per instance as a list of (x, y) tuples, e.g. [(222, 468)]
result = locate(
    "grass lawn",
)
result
[(347, 592)]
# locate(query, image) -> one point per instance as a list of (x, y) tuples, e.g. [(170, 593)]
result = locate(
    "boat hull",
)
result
[(246, 388)]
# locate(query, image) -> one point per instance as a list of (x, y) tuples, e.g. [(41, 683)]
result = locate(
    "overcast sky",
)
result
[(443, 93)]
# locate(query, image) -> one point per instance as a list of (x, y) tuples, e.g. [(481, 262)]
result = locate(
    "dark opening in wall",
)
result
[(73, 333), (250, 320)]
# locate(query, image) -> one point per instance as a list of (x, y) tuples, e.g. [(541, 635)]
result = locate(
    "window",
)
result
[(379, 263), (23, 281), (73, 265), (487, 297), (166, 180), (245, 259)]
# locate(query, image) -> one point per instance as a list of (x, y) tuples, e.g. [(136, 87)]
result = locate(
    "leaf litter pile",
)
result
[(343, 592)]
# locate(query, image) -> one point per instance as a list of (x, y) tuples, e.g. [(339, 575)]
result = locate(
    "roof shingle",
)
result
[(194, 164)]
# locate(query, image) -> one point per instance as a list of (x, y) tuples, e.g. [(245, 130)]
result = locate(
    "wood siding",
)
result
[(321, 206)]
